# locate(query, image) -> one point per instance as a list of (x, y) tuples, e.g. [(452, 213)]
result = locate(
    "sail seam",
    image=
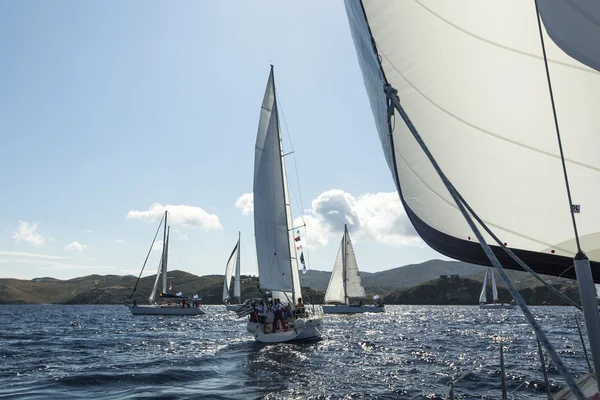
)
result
[(511, 49), (483, 130)]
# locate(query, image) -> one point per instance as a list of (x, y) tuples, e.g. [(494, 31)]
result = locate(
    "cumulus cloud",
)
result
[(245, 203), (181, 215), (157, 246), (371, 216), (120, 241), (75, 246), (28, 233)]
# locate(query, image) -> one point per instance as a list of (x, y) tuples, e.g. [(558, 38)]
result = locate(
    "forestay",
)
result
[(470, 75)]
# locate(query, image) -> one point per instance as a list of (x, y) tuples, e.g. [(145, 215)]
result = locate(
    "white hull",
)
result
[(232, 307), (164, 310), (304, 330), (343, 309), (496, 306)]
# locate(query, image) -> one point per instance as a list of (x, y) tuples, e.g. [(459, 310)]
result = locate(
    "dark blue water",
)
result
[(410, 352)]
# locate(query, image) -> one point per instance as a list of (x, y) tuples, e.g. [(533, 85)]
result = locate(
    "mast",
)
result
[(286, 199), (344, 272), (165, 255)]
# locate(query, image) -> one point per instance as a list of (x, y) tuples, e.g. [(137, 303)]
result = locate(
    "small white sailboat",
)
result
[(275, 248), (345, 283), (495, 304), (167, 304), (232, 269)]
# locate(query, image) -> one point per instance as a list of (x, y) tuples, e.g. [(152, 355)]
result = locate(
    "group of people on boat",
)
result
[(276, 313), (189, 304)]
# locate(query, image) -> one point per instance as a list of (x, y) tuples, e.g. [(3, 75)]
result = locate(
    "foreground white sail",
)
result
[(276, 252), (495, 304), (167, 304), (487, 114), (233, 264), (345, 283)]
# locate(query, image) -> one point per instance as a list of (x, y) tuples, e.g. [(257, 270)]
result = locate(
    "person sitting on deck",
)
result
[(278, 311), (183, 303)]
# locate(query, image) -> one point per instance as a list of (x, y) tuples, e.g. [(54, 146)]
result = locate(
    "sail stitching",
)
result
[(511, 49), (483, 130)]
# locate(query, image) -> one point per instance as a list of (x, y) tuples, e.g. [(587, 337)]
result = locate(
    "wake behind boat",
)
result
[(275, 248), (166, 304), (345, 283)]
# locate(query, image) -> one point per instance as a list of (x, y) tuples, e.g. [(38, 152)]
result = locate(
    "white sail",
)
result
[(229, 267), (482, 296), (237, 292), (474, 86), (494, 288), (158, 274), (272, 218), (335, 289), (354, 287)]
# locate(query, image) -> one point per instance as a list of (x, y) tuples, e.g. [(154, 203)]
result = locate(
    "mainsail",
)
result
[(276, 252), (354, 287), (474, 85)]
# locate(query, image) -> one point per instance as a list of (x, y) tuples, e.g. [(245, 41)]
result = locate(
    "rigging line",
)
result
[(562, 155), (147, 256), (392, 94), (301, 205)]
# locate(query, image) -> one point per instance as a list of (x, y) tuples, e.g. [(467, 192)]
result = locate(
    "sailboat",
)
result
[(488, 117), (166, 304), (345, 283), (275, 248), (233, 264), (483, 303)]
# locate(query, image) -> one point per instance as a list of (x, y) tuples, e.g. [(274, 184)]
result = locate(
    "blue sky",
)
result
[(111, 107)]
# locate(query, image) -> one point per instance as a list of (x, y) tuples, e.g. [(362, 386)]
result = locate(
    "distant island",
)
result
[(434, 282)]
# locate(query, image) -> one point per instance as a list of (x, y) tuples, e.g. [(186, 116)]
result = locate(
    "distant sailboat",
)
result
[(232, 269), (167, 304), (483, 303), (345, 283), (275, 248)]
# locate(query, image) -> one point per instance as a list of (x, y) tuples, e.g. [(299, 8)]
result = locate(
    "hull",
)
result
[(343, 309), (303, 330), (232, 307), (496, 306), (164, 310)]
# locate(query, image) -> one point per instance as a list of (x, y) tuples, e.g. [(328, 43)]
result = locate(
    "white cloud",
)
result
[(157, 246), (88, 230), (120, 241), (28, 233), (34, 255), (245, 203), (372, 216), (75, 246), (194, 217)]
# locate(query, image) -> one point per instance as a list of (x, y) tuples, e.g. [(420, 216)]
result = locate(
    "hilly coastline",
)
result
[(431, 282)]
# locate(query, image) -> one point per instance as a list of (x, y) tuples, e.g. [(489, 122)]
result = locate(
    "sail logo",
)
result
[(576, 208)]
